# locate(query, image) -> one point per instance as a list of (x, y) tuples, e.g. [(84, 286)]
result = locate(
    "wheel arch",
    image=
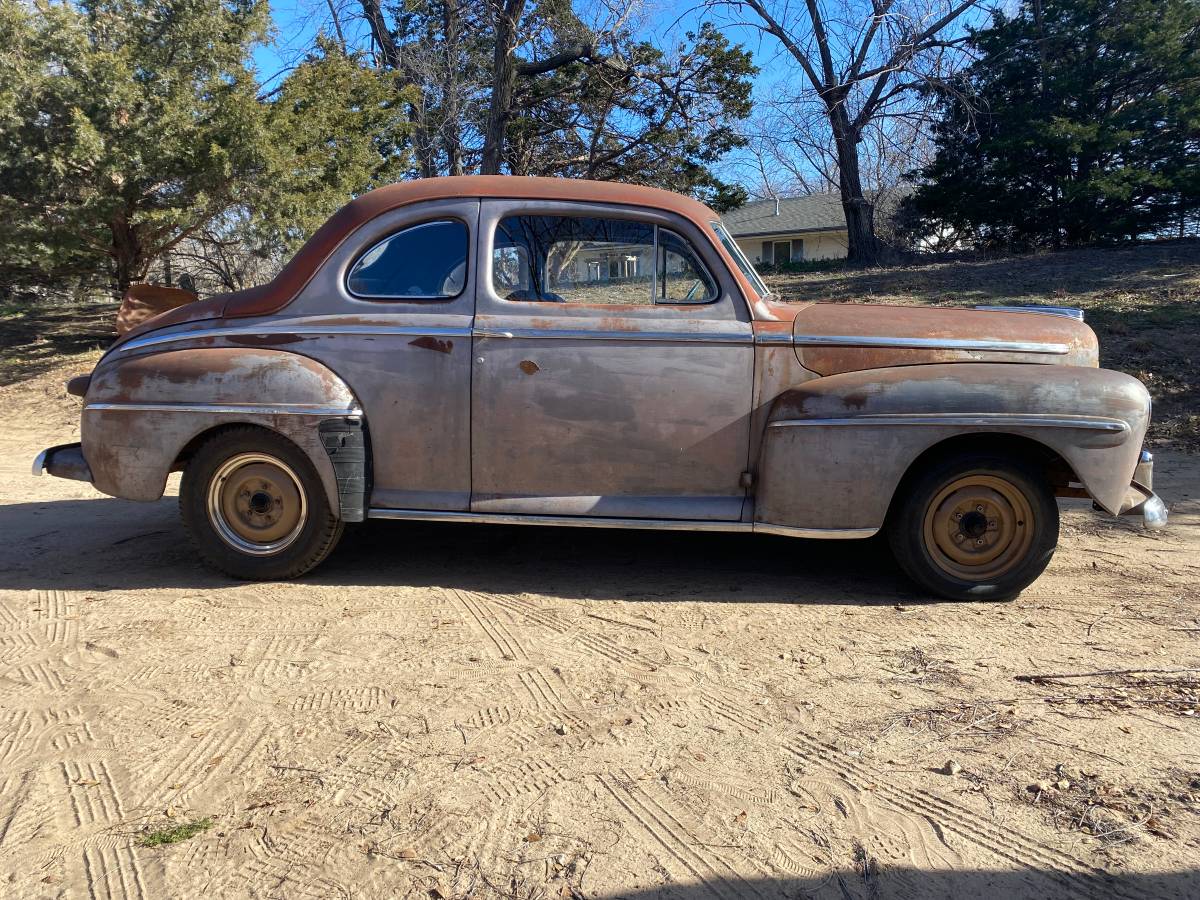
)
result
[(1051, 465)]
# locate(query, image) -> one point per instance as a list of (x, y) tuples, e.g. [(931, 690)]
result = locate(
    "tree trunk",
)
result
[(389, 51), (128, 257), (504, 79), (862, 245), (451, 127)]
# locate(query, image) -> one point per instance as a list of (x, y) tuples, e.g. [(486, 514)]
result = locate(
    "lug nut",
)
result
[(979, 508), (979, 542)]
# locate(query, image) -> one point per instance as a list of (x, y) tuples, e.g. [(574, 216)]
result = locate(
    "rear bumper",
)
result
[(63, 461)]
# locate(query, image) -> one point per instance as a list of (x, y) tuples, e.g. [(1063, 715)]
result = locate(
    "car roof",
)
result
[(295, 275)]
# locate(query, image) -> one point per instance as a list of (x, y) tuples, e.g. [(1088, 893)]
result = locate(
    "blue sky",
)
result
[(297, 22)]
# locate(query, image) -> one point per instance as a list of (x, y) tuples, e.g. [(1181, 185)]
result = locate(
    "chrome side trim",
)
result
[(772, 339), (264, 409), (39, 463), (298, 329), (422, 515), (568, 521), (979, 420), (920, 343), (1071, 312), (580, 334)]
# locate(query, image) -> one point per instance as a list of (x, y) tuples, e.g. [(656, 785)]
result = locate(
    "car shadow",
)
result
[(867, 882), (107, 544)]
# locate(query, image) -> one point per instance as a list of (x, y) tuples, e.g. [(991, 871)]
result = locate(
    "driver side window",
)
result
[(595, 261)]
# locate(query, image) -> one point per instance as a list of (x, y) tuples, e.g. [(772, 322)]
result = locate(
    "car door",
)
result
[(390, 312), (613, 366)]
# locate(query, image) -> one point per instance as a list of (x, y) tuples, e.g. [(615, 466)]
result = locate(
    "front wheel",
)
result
[(974, 527), (255, 507)]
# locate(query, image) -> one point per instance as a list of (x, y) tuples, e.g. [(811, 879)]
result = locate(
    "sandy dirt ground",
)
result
[(449, 711)]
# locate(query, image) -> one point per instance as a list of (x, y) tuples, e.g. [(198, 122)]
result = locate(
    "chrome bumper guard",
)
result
[(63, 461), (1141, 499)]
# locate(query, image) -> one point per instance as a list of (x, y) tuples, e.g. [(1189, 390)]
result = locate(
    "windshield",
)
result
[(740, 258)]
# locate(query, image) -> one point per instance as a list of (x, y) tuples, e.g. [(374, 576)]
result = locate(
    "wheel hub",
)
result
[(978, 527), (256, 504)]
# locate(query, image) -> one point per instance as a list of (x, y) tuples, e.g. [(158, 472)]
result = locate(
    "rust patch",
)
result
[(528, 366), (856, 400), (431, 343)]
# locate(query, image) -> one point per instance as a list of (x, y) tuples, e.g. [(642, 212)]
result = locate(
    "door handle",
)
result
[(490, 333)]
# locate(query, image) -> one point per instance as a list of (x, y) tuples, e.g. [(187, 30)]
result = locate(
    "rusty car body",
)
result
[(543, 351)]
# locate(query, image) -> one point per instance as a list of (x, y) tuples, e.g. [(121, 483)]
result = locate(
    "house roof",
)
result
[(815, 212)]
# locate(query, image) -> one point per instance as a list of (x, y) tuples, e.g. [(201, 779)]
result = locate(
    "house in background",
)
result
[(790, 229)]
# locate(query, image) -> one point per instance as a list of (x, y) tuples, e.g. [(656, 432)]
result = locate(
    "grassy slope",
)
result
[(1143, 302)]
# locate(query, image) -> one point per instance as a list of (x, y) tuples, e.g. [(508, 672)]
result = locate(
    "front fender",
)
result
[(141, 412), (836, 448)]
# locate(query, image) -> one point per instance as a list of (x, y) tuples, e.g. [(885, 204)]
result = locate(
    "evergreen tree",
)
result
[(1079, 123), (127, 126)]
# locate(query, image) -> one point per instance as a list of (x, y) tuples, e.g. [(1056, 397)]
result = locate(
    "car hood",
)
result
[(831, 338)]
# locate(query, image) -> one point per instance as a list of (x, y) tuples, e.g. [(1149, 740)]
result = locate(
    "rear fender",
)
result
[(837, 448), (140, 413)]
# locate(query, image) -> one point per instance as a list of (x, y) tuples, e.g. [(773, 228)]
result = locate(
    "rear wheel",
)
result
[(255, 507), (974, 527)]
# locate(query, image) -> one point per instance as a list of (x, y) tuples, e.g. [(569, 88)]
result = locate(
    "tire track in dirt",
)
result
[(547, 691), (114, 873), (225, 750), (511, 780), (9, 619), (351, 699), (1008, 844), (92, 793), (495, 630), (596, 642), (689, 856), (53, 604)]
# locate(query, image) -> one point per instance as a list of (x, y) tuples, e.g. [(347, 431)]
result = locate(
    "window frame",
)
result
[(409, 298), (727, 240), (696, 258), (654, 253)]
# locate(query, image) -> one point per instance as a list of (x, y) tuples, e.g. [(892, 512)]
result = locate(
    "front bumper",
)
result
[(63, 461), (1140, 499)]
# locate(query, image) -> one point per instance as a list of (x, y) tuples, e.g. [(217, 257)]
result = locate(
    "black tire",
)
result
[(974, 526), (216, 522)]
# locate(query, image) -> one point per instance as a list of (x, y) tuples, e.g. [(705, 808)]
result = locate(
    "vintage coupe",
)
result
[(552, 352)]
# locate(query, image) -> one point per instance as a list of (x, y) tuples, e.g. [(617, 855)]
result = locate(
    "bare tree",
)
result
[(862, 58)]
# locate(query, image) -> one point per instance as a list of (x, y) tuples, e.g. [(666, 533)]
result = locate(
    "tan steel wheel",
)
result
[(978, 527), (256, 504)]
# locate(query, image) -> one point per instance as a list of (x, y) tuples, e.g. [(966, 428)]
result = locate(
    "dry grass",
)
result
[(38, 332)]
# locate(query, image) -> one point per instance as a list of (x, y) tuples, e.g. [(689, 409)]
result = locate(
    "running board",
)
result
[(424, 515)]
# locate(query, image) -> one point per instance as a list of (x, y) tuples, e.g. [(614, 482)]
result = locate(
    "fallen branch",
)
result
[(1034, 679)]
